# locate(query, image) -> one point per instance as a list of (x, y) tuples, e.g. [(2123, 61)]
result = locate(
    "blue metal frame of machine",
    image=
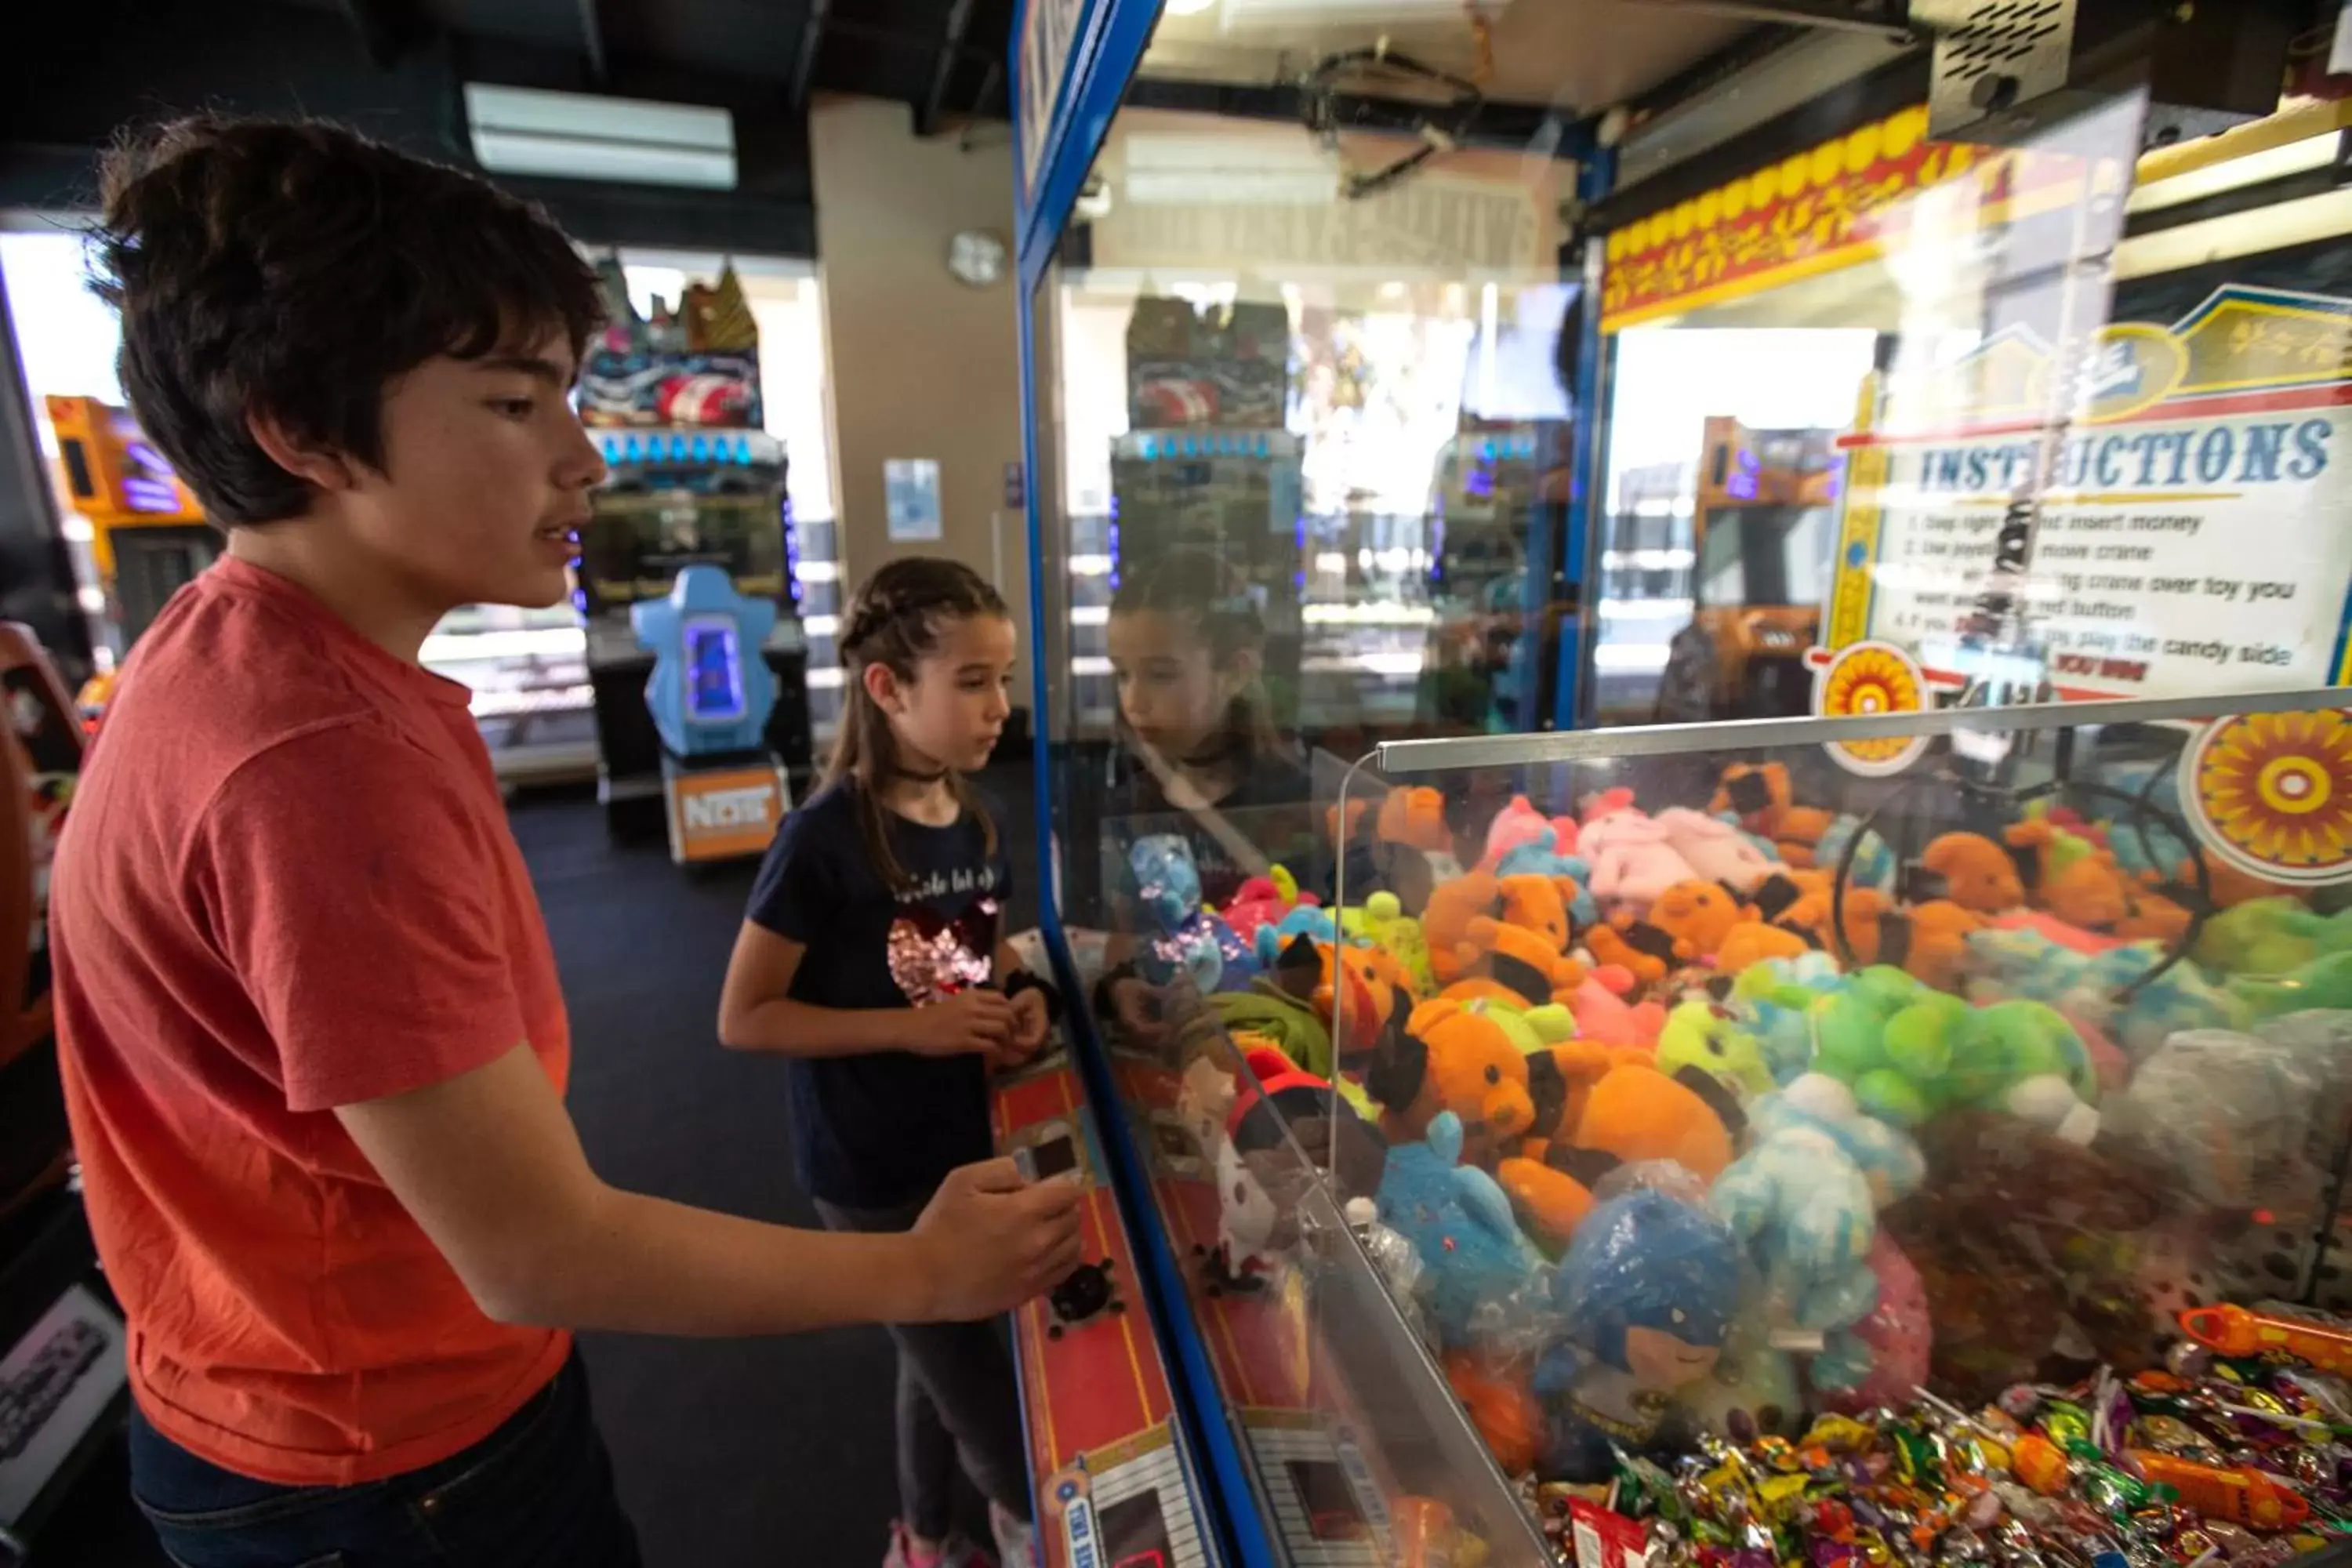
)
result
[(1108, 42), (1581, 548)]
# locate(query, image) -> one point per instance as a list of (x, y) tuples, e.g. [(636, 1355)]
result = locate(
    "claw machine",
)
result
[(1900, 1115)]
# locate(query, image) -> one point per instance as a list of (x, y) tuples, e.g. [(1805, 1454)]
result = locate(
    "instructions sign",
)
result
[(2198, 538)]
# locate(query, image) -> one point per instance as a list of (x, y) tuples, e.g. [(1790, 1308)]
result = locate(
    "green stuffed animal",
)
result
[(2326, 981), (2267, 936), (1381, 922), (1282, 1019), (1529, 1029), (1909, 1052), (1699, 1035)]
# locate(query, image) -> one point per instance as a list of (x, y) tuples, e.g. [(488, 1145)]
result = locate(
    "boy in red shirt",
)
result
[(314, 1043)]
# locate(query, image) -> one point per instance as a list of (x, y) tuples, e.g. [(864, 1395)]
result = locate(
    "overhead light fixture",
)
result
[(2292, 158), (1189, 7), (1242, 14), (584, 136)]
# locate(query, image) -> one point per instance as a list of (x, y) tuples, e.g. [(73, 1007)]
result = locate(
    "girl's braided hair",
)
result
[(894, 620)]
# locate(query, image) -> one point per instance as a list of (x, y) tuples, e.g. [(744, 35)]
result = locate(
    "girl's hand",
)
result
[(1031, 1019), (979, 1021), (1139, 1009)]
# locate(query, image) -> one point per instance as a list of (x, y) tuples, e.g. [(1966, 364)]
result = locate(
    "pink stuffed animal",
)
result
[(1715, 849), (1632, 861), (1520, 823), (1602, 1014), (1899, 1331)]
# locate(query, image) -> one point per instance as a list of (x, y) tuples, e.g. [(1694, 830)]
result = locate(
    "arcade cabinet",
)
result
[(711, 696), (148, 534), (1762, 525), (672, 403), (1207, 464), (63, 1385)]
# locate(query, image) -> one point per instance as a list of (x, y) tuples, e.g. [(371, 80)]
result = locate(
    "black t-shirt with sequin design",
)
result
[(882, 1129)]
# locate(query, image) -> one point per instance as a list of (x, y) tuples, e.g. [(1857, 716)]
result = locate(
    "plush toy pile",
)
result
[(1703, 1122)]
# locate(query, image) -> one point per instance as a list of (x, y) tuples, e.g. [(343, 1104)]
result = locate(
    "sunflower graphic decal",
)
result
[(1864, 678), (2272, 793)]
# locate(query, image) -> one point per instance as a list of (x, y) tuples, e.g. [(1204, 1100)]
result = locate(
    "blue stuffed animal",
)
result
[(1191, 941), (1476, 1264), (1804, 1200), (1873, 863), (1309, 921), (1645, 1298)]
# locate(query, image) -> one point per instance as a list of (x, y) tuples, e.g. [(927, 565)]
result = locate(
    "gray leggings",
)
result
[(958, 1399)]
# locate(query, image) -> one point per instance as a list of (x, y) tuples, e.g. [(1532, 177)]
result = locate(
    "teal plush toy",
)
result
[(1476, 1266), (1805, 1196), (1873, 863)]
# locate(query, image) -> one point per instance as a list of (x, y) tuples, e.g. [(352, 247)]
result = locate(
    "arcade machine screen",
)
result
[(715, 692)]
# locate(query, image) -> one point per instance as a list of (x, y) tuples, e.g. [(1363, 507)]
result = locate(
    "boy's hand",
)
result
[(991, 1241), (979, 1021)]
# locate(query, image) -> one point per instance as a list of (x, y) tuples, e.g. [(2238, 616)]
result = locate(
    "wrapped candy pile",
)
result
[(2208, 1460)]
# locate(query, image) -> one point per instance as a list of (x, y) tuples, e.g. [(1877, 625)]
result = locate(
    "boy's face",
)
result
[(954, 708), (486, 477), (1170, 690)]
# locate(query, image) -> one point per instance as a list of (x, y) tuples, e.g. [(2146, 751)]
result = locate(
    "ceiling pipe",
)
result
[(927, 115), (812, 44)]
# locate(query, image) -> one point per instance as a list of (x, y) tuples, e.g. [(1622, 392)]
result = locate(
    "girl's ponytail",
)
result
[(894, 620)]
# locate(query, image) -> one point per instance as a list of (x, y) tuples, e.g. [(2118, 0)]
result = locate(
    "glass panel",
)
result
[(1767, 1072), (2011, 411)]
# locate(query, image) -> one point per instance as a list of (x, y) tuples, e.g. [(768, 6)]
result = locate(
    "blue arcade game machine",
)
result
[(710, 695), (696, 488)]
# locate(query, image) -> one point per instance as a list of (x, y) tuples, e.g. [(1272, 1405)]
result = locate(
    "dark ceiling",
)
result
[(71, 75), (944, 59)]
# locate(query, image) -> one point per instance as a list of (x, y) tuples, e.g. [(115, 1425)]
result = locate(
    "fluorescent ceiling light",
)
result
[(582, 136), (1229, 171), (2235, 174), (2274, 227), (1377, 13), (1187, 8)]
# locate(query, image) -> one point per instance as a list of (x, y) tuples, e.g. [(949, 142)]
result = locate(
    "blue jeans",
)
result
[(536, 1493)]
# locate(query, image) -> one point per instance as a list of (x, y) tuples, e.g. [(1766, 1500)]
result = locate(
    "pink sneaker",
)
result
[(957, 1552)]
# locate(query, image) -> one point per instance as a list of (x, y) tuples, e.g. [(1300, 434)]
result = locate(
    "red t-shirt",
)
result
[(287, 884)]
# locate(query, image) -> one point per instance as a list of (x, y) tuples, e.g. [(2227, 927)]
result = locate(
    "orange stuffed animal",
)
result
[(1930, 940), (1753, 941), (1415, 816), (1515, 967), (1538, 904), (1698, 915), (1617, 1109), (1451, 1058), (1978, 874), (1445, 921), (1758, 792), (1503, 1409), (1613, 946)]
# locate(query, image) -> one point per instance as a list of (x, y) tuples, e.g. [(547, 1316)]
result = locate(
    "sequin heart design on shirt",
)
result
[(932, 958)]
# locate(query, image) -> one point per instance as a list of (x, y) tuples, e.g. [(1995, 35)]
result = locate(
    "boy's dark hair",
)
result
[(293, 268), (894, 620)]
